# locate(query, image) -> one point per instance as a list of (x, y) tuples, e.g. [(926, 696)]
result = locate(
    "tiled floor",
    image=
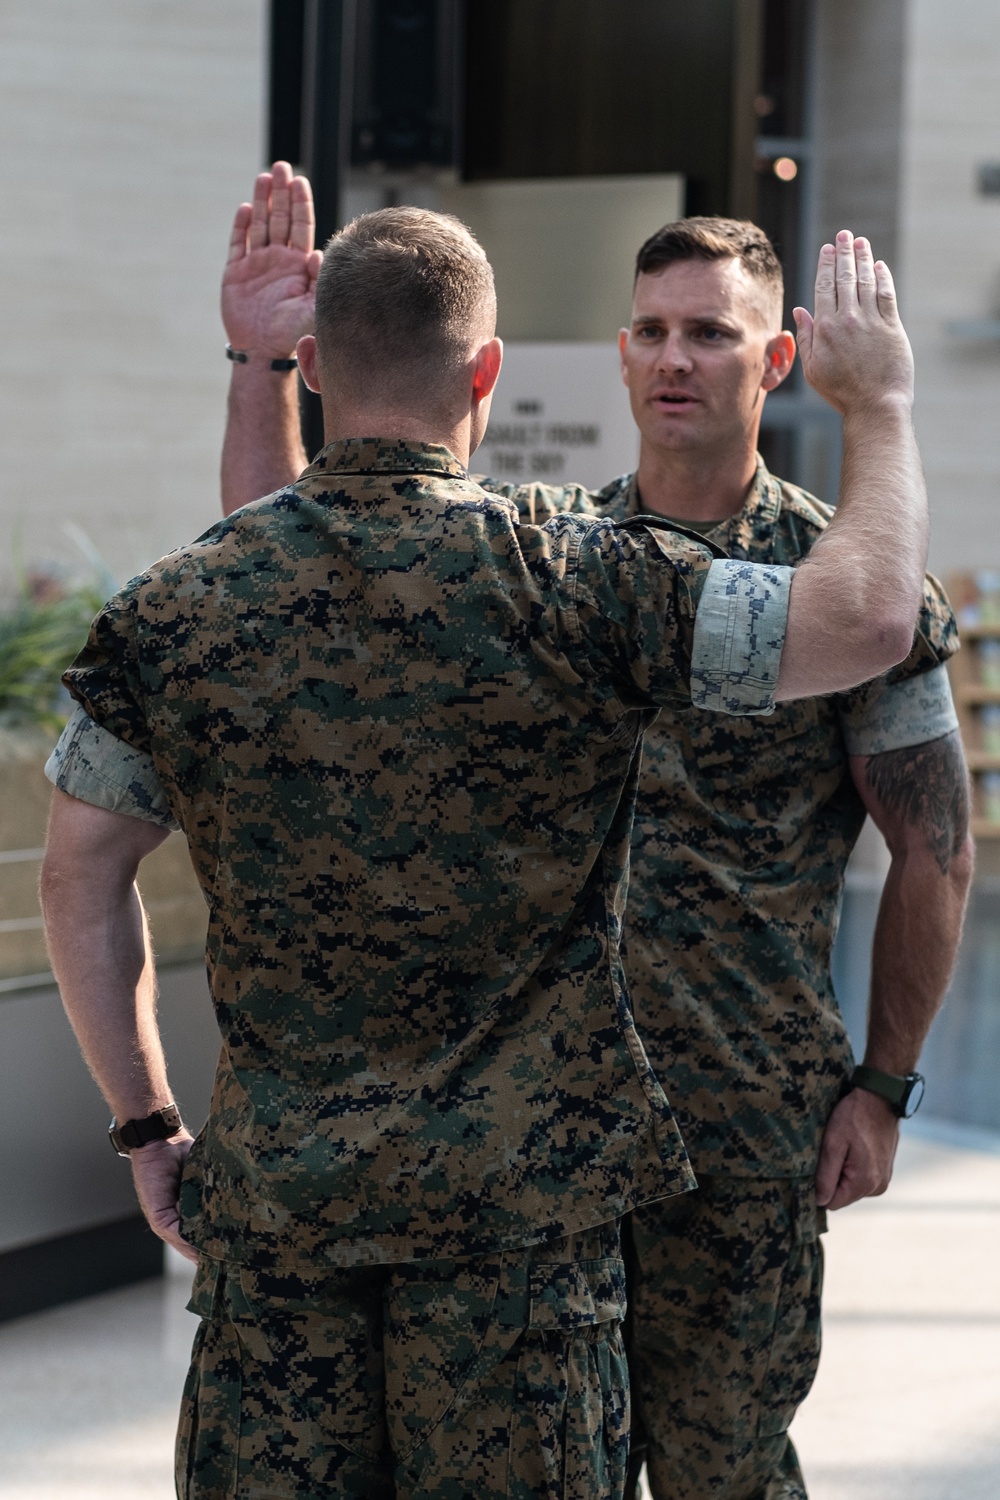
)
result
[(905, 1407), (89, 1396)]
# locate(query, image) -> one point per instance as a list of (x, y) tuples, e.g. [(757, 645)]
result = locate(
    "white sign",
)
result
[(563, 248), (560, 415)]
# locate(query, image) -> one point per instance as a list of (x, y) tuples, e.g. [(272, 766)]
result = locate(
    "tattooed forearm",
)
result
[(928, 786)]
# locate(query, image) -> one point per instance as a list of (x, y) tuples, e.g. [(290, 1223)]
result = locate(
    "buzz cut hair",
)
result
[(402, 295), (715, 239)]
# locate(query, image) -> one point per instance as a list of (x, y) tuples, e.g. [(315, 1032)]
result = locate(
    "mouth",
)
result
[(675, 400)]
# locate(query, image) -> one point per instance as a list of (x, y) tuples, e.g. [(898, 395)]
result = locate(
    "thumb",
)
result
[(803, 331), (313, 262)]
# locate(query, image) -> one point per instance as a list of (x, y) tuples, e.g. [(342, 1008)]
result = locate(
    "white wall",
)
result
[(132, 128), (949, 238)]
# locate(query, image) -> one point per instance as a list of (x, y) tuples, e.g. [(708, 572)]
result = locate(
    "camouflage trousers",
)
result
[(723, 1337), (475, 1379)]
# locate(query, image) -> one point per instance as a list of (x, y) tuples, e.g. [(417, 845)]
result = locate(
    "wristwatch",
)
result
[(159, 1126), (904, 1092)]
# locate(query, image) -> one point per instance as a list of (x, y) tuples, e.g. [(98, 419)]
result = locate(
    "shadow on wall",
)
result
[(959, 1058)]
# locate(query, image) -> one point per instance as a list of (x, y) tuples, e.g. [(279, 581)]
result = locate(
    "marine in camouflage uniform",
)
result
[(743, 829), (401, 732)]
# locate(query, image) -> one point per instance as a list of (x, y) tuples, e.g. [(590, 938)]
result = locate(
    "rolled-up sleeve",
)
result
[(899, 714), (739, 635), (92, 764)]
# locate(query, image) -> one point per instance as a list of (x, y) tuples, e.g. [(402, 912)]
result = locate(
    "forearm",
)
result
[(262, 450), (917, 796), (916, 940), (101, 957), (879, 530), (854, 600)]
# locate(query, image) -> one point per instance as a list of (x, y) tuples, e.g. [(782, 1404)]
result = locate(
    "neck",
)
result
[(358, 422), (696, 486)]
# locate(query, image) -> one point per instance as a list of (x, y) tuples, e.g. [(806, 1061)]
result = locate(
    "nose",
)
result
[(674, 354)]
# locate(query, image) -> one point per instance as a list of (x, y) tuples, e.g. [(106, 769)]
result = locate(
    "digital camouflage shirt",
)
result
[(743, 829), (401, 732)]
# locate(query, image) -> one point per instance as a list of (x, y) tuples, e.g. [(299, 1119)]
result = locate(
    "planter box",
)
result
[(170, 892)]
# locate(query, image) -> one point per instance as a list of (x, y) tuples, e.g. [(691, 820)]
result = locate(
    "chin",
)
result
[(674, 435)]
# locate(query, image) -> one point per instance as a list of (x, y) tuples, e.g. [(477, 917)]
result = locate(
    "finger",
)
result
[(166, 1224), (280, 219), (832, 1156), (313, 264), (238, 237), (865, 268), (261, 209), (826, 282), (885, 291), (848, 1192), (303, 231), (847, 273)]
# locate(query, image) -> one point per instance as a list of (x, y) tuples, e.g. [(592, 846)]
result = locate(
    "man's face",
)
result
[(700, 355)]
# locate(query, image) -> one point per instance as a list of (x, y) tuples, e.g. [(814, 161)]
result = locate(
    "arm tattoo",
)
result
[(927, 786)]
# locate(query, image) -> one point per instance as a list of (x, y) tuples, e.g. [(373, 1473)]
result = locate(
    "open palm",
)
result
[(269, 284)]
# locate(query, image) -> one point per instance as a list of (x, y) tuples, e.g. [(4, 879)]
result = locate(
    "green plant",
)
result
[(38, 640)]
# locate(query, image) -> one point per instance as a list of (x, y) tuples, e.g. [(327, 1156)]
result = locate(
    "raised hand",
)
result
[(269, 284), (854, 348)]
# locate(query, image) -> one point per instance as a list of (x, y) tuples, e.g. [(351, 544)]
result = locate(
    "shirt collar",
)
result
[(761, 508), (383, 456)]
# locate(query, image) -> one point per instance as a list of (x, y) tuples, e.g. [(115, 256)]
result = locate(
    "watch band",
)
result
[(897, 1089), (242, 357), (159, 1126)]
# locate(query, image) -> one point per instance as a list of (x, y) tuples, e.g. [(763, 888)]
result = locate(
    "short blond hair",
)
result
[(402, 295)]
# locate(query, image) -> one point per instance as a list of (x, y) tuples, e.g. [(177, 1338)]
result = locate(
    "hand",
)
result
[(859, 1145), (269, 284), (156, 1172), (854, 349)]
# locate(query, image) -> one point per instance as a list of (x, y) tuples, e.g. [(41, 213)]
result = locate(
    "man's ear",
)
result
[(622, 341), (305, 353), (779, 356), (486, 370)]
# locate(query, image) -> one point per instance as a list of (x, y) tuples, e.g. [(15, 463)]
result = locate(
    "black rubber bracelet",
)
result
[(242, 357)]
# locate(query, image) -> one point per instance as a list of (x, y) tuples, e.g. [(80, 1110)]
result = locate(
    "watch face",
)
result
[(910, 1102)]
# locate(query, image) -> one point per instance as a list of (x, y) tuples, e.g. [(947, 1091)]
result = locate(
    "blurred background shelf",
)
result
[(974, 672)]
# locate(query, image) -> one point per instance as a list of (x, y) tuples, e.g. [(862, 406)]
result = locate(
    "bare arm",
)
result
[(918, 798), (99, 946), (268, 299), (854, 600)]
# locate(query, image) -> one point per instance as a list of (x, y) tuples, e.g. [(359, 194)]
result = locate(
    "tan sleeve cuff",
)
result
[(92, 764)]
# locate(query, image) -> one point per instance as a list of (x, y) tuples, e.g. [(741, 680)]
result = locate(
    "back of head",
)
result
[(718, 239), (404, 297)]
